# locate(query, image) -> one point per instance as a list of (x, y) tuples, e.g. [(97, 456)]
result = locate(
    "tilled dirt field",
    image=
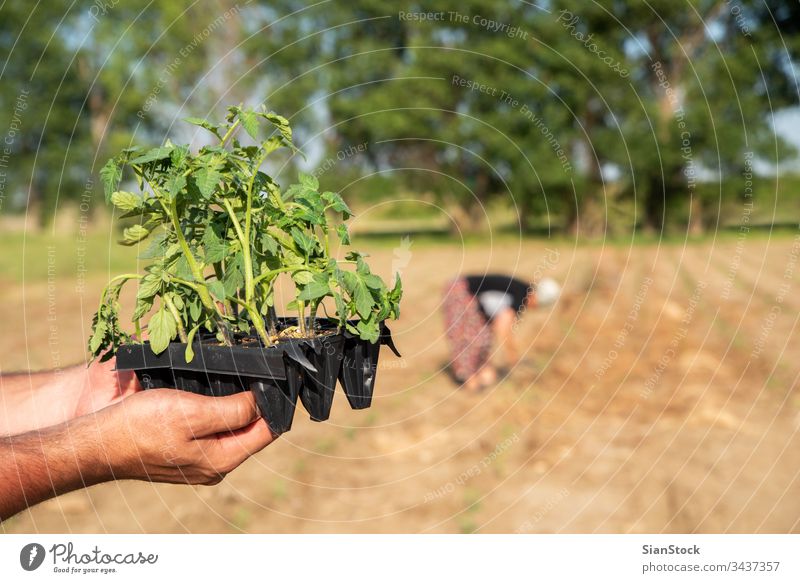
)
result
[(659, 395)]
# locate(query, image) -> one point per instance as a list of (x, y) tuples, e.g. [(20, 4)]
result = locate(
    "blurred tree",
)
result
[(457, 104), (710, 74), (43, 138), (97, 76), (546, 106)]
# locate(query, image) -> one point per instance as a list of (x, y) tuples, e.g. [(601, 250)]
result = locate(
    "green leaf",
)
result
[(369, 329), (314, 290), (126, 201), (362, 267), (341, 306), (99, 335), (174, 185), (293, 191), (264, 182), (304, 241), (364, 301), (177, 300), (216, 289), (290, 258), (178, 155), (249, 122), (143, 306), (336, 202), (344, 235), (182, 268), (374, 282), (354, 255), (189, 355), (197, 121), (284, 239), (110, 175), (302, 277), (281, 123), (213, 247), (269, 244), (359, 292), (152, 155), (207, 179), (134, 234), (161, 330), (397, 291), (233, 280), (309, 181), (149, 286), (195, 309)]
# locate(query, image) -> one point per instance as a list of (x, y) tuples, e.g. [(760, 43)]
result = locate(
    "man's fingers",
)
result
[(244, 442), (222, 414), (128, 383), (226, 451)]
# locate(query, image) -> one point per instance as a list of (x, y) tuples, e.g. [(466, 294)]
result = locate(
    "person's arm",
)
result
[(157, 435), (503, 328), (35, 400), (29, 401)]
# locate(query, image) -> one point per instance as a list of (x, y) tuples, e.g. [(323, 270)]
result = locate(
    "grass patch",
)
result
[(32, 257)]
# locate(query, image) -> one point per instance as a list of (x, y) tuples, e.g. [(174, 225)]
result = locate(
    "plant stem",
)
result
[(249, 287), (301, 317), (267, 274), (258, 324), (229, 133), (197, 272), (124, 277), (272, 319), (219, 273), (258, 321), (176, 314), (188, 284), (312, 315)]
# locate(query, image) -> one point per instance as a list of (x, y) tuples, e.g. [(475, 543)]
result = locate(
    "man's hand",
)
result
[(99, 385), (166, 435), (157, 435)]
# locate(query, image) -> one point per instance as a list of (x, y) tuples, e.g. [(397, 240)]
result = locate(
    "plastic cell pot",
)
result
[(360, 365), (319, 384)]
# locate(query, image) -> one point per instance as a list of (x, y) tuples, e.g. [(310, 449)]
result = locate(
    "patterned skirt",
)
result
[(468, 332)]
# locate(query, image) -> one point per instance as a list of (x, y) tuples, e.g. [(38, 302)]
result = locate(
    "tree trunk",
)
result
[(99, 113), (696, 227), (588, 216), (655, 206), (589, 219)]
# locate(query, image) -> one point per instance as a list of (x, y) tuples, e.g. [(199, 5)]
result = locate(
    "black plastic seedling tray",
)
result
[(307, 368)]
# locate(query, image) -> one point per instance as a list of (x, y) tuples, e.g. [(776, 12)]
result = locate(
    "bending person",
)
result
[(478, 308)]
